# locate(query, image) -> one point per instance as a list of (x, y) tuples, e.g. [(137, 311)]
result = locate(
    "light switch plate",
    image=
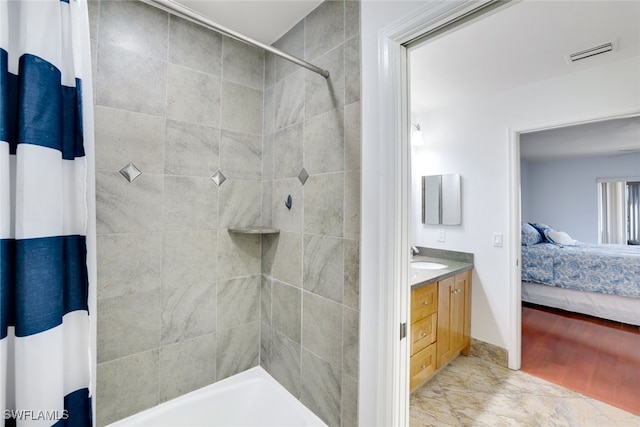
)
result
[(440, 235), (497, 240)]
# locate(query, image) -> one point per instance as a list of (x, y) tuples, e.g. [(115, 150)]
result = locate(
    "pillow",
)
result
[(529, 235), (559, 238), (541, 229)]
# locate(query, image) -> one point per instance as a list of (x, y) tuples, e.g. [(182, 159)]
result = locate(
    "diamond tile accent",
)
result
[(130, 172), (218, 177), (303, 176)]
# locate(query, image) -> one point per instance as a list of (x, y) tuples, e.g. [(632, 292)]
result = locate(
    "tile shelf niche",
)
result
[(254, 230)]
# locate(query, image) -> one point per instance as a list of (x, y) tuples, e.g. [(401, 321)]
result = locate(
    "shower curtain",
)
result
[(46, 129)]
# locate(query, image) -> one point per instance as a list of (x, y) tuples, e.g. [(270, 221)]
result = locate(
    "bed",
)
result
[(598, 280)]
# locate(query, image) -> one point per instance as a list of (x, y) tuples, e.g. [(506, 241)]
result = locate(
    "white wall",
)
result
[(473, 140), (563, 193)]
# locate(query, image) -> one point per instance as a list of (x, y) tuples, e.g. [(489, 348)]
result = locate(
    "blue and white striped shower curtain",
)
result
[(45, 213)]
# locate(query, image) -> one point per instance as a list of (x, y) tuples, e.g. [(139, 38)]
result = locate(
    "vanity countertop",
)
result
[(420, 277)]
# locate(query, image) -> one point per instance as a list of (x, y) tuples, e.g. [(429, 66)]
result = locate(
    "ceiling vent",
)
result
[(592, 51)]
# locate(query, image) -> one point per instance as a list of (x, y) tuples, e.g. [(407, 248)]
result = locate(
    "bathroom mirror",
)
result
[(441, 199)]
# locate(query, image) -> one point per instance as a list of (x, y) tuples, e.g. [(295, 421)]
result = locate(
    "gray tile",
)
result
[(351, 18), (287, 259), (349, 401), (195, 47), (352, 204), (323, 204), (188, 311), (191, 149), (94, 68), (289, 98), (267, 201), (126, 386), (269, 70), (124, 136), (321, 388), (93, 7), (241, 108), (242, 64), (352, 139), (240, 203), (147, 37), (269, 245), (130, 81), (129, 263), (265, 346), (190, 203), (352, 274), (265, 300), (240, 254), (323, 266), (322, 328), (324, 142), (284, 218), (352, 69), (238, 301), (287, 151), (187, 366), (287, 305), (269, 111), (267, 157), (241, 155), (189, 257), (237, 350), (285, 363), (193, 97), (324, 28), (350, 333), (138, 315), (128, 207), (322, 94), (291, 42)]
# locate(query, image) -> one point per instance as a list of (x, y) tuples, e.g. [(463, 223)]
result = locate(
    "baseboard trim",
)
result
[(490, 352)]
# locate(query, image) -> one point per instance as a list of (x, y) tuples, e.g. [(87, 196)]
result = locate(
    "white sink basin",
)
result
[(426, 265)]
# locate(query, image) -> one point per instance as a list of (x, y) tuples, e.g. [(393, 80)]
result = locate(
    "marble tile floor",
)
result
[(475, 392)]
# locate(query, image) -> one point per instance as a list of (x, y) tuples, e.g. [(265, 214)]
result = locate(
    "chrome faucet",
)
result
[(414, 251)]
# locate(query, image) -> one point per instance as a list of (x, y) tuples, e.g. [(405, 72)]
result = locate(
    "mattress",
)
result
[(606, 306)]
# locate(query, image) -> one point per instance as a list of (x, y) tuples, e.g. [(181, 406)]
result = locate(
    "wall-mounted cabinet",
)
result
[(440, 325)]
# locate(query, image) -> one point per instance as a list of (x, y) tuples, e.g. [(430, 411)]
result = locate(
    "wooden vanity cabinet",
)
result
[(440, 325)]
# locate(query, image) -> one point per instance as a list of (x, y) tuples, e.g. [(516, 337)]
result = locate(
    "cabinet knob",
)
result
[(423, 334), (423, 367), (425, 302)]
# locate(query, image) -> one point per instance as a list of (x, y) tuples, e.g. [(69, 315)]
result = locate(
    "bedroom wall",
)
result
[(479, 152), (564, 194)]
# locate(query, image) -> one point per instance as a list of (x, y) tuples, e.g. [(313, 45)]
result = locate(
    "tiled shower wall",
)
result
[(310, 287), (181, 302)]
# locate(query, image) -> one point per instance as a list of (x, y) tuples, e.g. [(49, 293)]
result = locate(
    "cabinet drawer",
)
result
[(424, 301), (423, 365), (423, 332)]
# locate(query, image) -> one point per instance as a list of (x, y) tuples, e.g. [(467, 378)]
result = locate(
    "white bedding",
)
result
[(613, 307)]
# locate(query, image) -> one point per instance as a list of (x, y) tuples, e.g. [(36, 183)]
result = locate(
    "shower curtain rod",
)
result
[(184, 12)]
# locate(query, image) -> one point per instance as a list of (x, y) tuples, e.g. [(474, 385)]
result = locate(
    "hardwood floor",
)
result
[(595, 357)]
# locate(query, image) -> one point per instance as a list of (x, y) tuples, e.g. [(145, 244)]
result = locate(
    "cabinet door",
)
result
[(445, 350), (458, 312)]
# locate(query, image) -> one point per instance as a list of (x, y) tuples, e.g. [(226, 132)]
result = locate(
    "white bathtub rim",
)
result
[(255, 374)]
